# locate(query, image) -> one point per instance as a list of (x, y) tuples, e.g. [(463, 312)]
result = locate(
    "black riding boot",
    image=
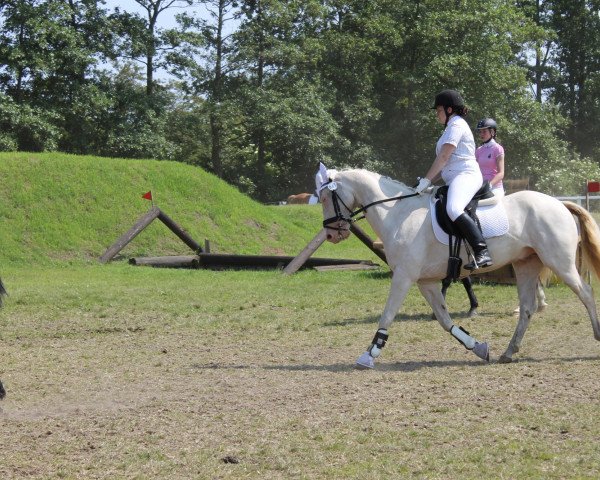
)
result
[(470, 232)]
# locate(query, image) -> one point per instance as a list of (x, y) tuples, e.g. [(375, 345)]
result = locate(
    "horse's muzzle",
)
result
[(338, 231)]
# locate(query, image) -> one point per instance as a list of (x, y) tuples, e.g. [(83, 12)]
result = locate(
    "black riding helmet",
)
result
[(450, 99), (488, 123)]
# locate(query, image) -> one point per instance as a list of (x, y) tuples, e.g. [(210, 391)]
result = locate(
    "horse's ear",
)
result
[(322, 176)]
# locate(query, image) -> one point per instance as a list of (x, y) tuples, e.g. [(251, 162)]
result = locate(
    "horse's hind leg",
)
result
[(468, 284), (584, 291), (541, 297), (527, 273)]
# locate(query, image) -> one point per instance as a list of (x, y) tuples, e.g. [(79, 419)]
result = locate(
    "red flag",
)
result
[(147, 195), (593, 187)]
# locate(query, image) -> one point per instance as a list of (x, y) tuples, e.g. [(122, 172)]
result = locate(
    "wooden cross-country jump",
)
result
[(318, 240), (205, 259), (142, 223)]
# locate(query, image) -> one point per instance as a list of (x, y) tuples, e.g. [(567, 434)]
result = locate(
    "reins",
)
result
[(350, 219)]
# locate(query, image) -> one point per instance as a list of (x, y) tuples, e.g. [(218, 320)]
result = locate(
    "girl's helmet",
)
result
[(487, 123)]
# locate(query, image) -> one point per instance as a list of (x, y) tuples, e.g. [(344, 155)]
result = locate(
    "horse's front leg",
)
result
[(398, 290), (437, 302)]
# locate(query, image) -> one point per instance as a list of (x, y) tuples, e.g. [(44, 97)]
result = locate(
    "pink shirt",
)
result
[(486, 156)]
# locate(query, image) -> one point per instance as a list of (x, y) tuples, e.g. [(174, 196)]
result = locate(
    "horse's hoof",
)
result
[(2, 391), (472, 313), (505, 359), (482, 350), (365, 362)]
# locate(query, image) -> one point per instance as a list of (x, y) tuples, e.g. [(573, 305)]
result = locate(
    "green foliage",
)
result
[(26, 128), (576, 60), (260, 99), (570, 178)]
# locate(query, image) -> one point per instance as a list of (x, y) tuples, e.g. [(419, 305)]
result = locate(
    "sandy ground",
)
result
[(288, 404)]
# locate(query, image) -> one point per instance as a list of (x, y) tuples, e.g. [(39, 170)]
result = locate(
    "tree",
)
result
[(145, 41), (577, 58), (49, 51), (204, 51)]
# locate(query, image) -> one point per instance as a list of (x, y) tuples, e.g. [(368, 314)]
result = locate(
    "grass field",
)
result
[(123, 372)]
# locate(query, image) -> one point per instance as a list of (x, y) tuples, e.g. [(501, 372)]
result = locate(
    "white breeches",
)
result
[(460, 192), (498, 192)]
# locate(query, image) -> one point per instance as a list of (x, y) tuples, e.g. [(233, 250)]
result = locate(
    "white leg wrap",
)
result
[(463, 337)]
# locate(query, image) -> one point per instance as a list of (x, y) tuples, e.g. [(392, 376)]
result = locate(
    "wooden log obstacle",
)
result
[(318, 240), (206, 259), (220, 261)]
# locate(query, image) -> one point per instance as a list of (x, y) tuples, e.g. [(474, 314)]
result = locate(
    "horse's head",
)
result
[(338, 202)]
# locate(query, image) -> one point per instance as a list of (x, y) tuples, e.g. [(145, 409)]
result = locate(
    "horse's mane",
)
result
[(388, 186)]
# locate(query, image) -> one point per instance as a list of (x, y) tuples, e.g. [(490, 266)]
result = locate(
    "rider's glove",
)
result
[(422, 185)]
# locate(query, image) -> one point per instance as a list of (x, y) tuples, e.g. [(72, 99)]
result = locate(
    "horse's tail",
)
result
[(3, 291), (590, 236), (545, 276)]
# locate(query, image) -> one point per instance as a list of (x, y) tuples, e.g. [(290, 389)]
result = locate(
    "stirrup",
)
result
[(484, 261)]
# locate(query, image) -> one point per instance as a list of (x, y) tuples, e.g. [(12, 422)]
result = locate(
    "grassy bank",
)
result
[(58, 208)]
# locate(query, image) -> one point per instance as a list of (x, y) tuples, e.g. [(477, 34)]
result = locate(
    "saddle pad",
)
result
[(493, 219)]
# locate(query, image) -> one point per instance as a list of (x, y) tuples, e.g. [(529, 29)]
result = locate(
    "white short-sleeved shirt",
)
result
[(462, 160)]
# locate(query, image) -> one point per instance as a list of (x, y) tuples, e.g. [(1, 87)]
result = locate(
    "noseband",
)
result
[(349, 219)]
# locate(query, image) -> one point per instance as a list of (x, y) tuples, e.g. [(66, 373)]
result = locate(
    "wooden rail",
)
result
[(142, 223)]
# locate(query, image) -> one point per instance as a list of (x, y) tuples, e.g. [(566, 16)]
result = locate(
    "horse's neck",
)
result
[(369, 188)]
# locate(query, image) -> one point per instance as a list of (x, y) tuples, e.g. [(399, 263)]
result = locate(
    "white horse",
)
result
[(542, 232)]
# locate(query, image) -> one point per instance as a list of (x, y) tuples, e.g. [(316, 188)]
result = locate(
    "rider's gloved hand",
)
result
[(422, 185)]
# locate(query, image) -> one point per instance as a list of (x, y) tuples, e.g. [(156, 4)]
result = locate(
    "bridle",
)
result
[(349, 219)]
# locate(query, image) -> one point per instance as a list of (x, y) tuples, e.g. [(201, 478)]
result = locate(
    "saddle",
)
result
[(447, 225)]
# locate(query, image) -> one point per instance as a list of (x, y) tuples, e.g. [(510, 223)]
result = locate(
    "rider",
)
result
[(490, 155), (455, 161)]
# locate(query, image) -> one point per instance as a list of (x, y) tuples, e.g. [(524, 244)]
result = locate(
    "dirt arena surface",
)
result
[(161, 398)]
